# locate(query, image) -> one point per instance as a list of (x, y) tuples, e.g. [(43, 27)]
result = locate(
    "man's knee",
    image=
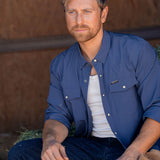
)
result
[(28, 149), (16, 151)]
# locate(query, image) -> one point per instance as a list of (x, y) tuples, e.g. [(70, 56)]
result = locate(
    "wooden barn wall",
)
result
[(24, 76)]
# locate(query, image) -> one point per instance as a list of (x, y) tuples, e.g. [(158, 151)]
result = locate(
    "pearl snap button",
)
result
[(95, 60)]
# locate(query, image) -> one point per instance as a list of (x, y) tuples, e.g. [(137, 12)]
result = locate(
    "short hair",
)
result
[(102, 3)]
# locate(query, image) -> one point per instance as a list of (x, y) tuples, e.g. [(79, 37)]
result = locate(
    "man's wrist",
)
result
[(133, 151), (130, 153), (49, 138)]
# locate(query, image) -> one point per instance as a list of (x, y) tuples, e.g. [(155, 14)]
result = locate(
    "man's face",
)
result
[(83, 18)]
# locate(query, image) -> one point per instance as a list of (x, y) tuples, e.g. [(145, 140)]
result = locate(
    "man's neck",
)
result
[(90, 48)]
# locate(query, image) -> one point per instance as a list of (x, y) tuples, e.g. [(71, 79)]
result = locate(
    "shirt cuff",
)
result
[(59, 118), (153, 113)]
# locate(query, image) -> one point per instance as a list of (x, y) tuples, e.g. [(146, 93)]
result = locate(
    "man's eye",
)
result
[(87, 11), (71, 12)]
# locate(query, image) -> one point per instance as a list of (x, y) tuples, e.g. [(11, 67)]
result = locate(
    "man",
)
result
[(108, 84)]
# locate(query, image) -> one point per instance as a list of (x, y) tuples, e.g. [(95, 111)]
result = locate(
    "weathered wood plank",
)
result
[(65, 41)]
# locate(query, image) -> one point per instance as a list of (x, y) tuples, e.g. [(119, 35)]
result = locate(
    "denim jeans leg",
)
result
[(93, 148), (26, 150), (77, 148), (113, 149)]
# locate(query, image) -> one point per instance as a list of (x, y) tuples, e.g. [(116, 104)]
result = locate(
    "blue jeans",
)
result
[(77, 148)]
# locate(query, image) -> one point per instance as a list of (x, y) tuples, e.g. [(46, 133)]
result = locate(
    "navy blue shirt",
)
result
[(129, 76)]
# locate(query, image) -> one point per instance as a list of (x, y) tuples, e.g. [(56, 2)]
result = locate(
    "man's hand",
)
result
[(129, 156), (52, 150), (54, 134)]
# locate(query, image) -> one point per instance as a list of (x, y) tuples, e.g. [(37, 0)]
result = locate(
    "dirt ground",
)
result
[(6, 142)]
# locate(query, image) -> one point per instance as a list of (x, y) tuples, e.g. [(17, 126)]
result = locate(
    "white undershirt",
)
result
[(101, 127)]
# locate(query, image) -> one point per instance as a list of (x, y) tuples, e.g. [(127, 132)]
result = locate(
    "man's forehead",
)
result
[(81, 3)]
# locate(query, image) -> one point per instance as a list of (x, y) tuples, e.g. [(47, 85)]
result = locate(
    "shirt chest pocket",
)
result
[(72, 97), (123, 96), (122, 84), (77, 107), (75, 102), (71, 94)]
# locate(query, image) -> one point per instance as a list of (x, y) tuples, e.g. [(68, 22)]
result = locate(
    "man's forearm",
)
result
[(54, 134), (54, 130), (149, 134)]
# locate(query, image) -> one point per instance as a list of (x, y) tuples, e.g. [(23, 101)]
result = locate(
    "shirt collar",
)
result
[(102, 53)]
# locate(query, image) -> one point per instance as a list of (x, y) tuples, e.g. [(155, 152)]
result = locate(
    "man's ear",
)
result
[(104, 14)]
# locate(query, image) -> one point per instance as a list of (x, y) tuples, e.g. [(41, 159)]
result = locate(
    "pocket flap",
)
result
[(122, 84), (70, 94)]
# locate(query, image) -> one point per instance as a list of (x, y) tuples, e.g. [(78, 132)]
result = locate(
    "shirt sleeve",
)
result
[(57, 109), (148, 76)]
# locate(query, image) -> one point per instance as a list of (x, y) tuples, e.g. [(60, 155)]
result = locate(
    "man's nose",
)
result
[(79, 18)]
